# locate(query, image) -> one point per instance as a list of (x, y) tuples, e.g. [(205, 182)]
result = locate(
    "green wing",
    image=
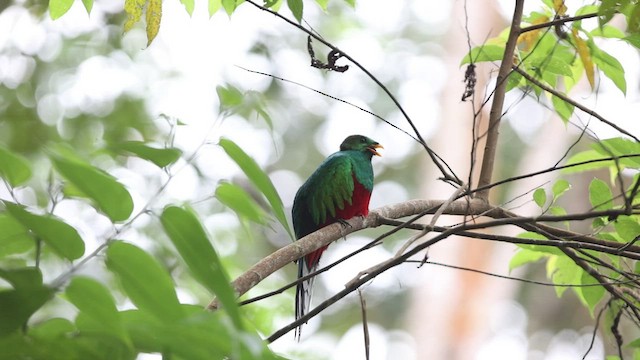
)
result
[(329, 188)]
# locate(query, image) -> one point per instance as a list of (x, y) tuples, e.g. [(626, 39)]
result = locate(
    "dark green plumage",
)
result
[(338, 190)]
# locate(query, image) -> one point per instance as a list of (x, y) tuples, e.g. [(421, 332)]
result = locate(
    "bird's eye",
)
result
[(363, 139)]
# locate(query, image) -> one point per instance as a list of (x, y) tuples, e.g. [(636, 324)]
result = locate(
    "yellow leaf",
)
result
[(529, 38), (154, 15), (559, 7), (133, 8), (585, 56)]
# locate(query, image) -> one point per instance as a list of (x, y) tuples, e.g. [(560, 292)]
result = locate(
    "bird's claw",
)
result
[(345, 224)]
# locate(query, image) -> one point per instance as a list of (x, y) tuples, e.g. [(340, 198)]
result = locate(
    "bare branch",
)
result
[(495, 115)]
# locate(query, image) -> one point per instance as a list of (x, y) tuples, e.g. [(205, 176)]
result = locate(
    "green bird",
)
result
[(338, 190)]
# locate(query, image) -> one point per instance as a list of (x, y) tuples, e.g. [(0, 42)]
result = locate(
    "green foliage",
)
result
[(14, 238), (108, 195), (259, 179), (565, 55), (189, 237), (600, 195), (14, 168), (540, 197), (57, 8), (296, 8), (237, 199), (161, 157), (26, 297), (57, 234), (233, 101), (489, 52)]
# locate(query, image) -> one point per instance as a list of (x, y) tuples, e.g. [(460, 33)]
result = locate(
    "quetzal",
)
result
[(338, 190)]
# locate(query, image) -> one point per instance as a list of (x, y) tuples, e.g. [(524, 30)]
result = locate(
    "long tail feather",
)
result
[(306, 266)]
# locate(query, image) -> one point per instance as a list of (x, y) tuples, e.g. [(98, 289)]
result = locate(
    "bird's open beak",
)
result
[(373, 148)]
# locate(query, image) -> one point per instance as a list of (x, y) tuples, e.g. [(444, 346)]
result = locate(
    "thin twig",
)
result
[(447, 173), (365, 324), (570, 101), (557, 21)]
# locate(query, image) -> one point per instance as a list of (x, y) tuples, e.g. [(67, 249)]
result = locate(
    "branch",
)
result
[(381, 216), (558, 21), (495, 115), (445, 169), (333, 232)]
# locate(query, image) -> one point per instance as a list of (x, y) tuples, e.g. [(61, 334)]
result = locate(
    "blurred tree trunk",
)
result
[(448, 311)]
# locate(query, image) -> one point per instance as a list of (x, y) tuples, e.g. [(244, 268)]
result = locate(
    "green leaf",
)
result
[(207, 334), (540, 197), (23, 278), (627, 228), (161, 157), (606, 11), (550, 64), (483, 53), (296, 8), (60, 236), (633, 40), (620, 147), (351, 3), (563, 271), (229, 6), (323, 4), (239, 201), (559, 211), (57, 8), (88, 5), (52, 328), (586, 156), (600, 195), (94, 300), (111, 197), (610, 66), (633, 19), (133, 9), (14, 168), (560, 187), (154, 16), (214, 6), (608, 31), (189, 237), (188, 5), (228, 96), (258, 178), (590, 296), (14, 238), (552, 250), (17, 306), (147, 284), (525, 256), (563, 108)]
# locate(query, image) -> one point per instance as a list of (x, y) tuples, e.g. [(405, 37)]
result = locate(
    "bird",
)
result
[(338, 190)]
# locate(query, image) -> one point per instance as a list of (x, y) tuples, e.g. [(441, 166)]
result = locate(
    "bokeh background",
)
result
[(80, 80)]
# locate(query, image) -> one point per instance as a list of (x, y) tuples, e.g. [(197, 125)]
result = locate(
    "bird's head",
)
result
[(360, 143)]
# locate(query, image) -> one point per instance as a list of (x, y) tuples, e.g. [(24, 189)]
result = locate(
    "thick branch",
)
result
[(495, 115), (326, 235), (333, 232)]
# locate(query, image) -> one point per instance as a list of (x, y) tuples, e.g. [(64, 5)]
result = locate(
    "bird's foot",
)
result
[(345, 225)]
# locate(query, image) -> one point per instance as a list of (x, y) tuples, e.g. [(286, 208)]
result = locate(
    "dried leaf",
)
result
[(585, 56)]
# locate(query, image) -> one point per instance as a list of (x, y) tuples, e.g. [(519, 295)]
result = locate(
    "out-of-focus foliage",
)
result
[(77, 160)]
